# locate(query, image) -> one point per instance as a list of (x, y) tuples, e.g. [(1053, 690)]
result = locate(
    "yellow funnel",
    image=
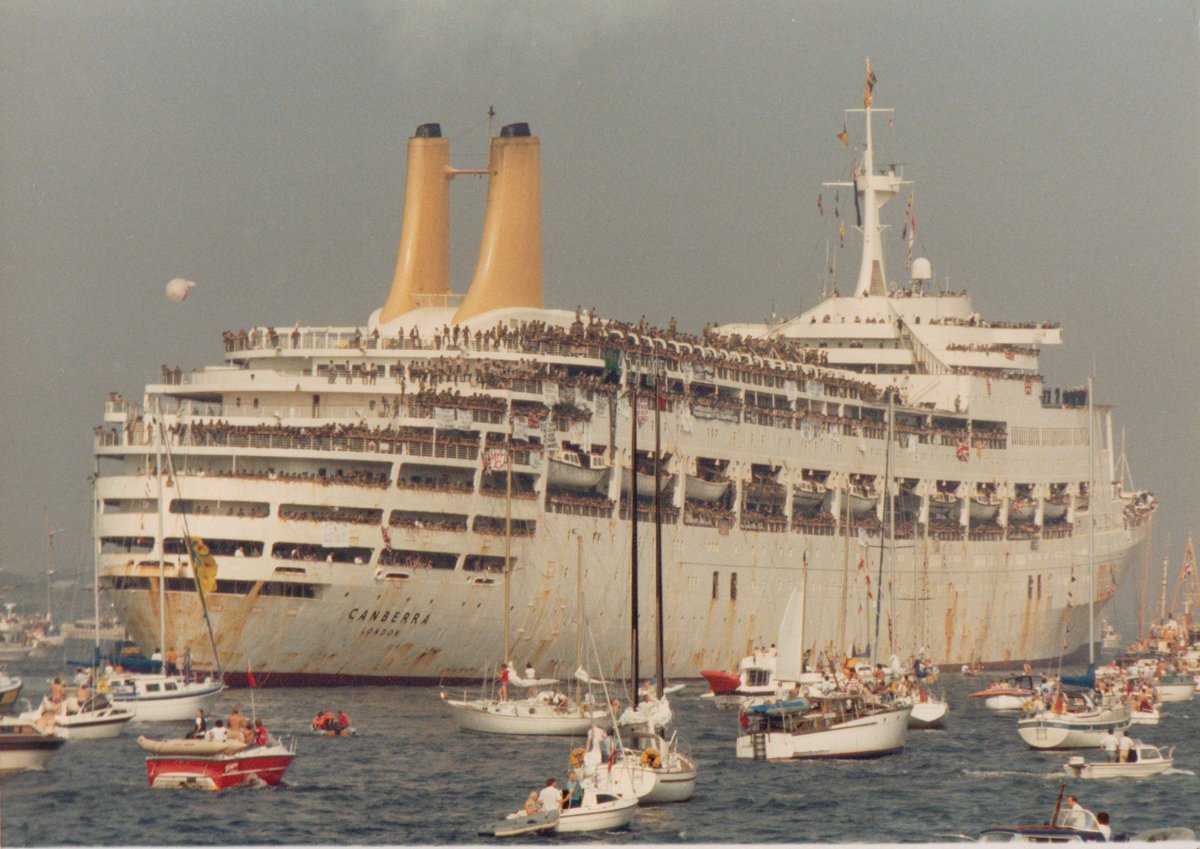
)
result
[(509, 270), (423, 262)]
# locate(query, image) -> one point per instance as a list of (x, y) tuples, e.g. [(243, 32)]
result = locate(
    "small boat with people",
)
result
[(94, 718), (1073, 721), (832, 725), (217, 764), (1072, 823), (1011, 694), (1143, 761), (330, 724), (24, 746), (576, 808)]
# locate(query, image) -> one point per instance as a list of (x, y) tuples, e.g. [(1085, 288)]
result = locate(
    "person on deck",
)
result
[(343, 721), (504, 684), (235, 723), (172, 662), (260, 733), (57, 691), (572, 791), (1108, 745), (220, 733), (532, 805)]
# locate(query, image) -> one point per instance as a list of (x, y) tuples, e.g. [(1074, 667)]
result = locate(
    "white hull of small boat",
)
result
[(984, 511), (1006, 702), (676, 783), (861, 505), (1150, 761), (928, 714), (600, 813), (1143, 717), (1071, 731), (23, 746), (698, 489), (521, 823), (101, 724), (191, 747), (1052, 511), (645, 483), (1022, 511), (10, 690), (865, 737), (807, 500), (159, 698), (1176, 692), (520, 717)]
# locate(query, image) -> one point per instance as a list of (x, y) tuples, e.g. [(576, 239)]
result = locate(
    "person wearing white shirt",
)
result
[(550, 797), (220, 733), (1108, 745)]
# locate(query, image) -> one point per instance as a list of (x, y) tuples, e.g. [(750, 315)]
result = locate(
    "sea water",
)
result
[(410, 776)]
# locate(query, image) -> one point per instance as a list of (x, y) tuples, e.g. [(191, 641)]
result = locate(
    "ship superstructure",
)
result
[(353, 483)]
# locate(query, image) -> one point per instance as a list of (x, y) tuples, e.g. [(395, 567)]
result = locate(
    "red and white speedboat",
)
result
[(213, 765)]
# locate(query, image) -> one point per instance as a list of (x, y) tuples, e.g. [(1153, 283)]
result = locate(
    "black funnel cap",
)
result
[(428, 131), (515, 130)]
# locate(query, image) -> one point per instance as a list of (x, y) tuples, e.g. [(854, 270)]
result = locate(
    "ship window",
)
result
[(485, 563), (423, 559), (716, 584), (288, 589), (152, 688), (124, 582), (218, 547), (733, 586)]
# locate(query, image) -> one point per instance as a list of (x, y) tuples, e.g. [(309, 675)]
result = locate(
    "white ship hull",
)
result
[(347, 477), (1071, 731)]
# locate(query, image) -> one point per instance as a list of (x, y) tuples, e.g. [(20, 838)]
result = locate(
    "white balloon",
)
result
[(178, 289)]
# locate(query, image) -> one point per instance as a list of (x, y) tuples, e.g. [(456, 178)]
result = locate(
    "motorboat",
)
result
[(95, 719), (1068, 825), (595, 812), (1074, 722), (834, 725), (1145, 760), (162, 698), (1174, 688), (755, 676), (1010, 695), (13, 650), (1143, 715), (215, 765), (10, 691), (24, 746)]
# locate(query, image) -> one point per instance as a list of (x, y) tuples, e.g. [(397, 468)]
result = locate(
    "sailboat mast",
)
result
[(1092, 505), (162, 564), (578, 615), (633, 535), (96, 564), (658, 572), (887, 489), (508, 537)]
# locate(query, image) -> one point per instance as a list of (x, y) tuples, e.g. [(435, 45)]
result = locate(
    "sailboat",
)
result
[(652, 753), (815, 722), (1076, 721), (162, 696), (543, 712)]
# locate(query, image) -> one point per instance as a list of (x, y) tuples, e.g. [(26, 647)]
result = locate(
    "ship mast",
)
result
[(871, 192)]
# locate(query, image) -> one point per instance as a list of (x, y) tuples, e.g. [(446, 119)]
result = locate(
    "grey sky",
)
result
[(259, 149)]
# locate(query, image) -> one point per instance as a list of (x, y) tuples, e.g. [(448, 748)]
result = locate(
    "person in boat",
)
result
[(318, 722), (550, 798), (236, 723), (261, 737), (220, 733), (504, 684), (1102, 822), (1109, 745), (572, 792), (1125, 747), (343, 721), (57, 691), (530, 673), (172, 661), (199, 726), (532, 805)]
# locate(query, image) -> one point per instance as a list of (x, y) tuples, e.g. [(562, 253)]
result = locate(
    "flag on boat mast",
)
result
[(843, 136), (869, 87)]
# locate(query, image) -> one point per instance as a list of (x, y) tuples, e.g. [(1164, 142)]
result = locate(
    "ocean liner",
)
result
[(363, 488)]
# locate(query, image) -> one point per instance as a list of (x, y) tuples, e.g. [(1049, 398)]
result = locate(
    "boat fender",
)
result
[(577, 757), (651, 758)]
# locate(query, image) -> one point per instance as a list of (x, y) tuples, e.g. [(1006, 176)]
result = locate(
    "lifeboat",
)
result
[(569, 470), (699, 489)]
